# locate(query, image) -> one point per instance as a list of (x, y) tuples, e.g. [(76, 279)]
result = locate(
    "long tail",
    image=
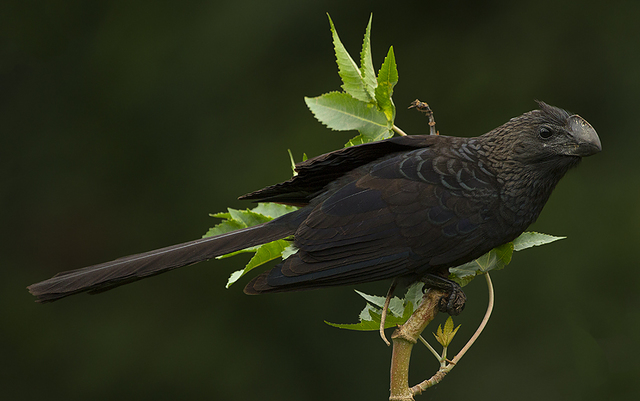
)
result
[(105, 276)]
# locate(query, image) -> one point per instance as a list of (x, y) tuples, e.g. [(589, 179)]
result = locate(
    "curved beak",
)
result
[(587, 142)]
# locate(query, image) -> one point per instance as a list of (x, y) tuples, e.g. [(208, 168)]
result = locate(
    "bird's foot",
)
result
[(452, 303)]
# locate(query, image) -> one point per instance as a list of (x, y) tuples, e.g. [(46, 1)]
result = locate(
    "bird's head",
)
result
[(552, 134)]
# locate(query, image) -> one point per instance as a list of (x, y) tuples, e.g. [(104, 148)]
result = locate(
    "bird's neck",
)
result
[(523, 198)]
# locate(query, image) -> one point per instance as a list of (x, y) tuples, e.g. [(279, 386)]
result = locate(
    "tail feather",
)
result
[(105, 276)]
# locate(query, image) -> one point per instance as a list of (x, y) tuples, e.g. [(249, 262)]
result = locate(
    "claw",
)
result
[(454, 302)]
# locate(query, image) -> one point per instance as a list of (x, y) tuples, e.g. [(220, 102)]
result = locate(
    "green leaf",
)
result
[(264, 253), (498, 257), (387, 79), (462, 281), (445, 335), (352, 80), (247, 217), (414, 294), (235, 219), (357, 140), (366, 62), (529, 239), (396, 305), (364, 325), (224, 227), (273, 210), (288, 251), (341, 112), (372, 299), (370, 320), (495, 259), (252, 249), (399, 310)]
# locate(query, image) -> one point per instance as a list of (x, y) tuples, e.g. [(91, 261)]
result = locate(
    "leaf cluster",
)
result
[(366, 103), (235, 219), (399, 310)]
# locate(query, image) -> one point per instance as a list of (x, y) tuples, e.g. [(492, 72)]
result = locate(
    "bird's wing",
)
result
[(313, 175), (410, 213)]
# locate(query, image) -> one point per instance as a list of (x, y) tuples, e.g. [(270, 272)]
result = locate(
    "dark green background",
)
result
[(124, 123)]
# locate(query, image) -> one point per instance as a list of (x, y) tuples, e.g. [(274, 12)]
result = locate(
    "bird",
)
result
[(406, 208)]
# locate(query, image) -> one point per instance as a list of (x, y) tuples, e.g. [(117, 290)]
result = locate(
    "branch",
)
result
[(407, 335), (404, 338)]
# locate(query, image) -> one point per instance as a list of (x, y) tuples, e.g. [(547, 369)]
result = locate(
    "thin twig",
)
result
[(442, 372), (383, 316), (424, 107), (399, 131), (426, 343), (487, 315)]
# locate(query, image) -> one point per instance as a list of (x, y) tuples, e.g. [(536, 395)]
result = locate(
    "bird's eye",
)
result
[(545, 132)]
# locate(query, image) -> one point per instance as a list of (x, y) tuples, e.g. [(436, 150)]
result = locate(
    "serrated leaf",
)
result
[(273, 210), (224, 227), (252, 249), (235, 219), (221, 215), (462, 281), (498, 257), (445, 335), (399, 310), (414, 294), (365, 325), (387, 79), (495, 259), (263, 254), (341, 112), (357, 140), (365, 314), (529, 239), (373, 299), (235, 276), (247, 217), (370, 320), (396, 305), (366, 62), (352, 80)]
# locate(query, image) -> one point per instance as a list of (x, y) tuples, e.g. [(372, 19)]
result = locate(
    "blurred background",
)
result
[(124, 123)]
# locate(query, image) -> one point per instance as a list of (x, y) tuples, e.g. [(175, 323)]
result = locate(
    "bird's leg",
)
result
[(454, 303), (383, 316)]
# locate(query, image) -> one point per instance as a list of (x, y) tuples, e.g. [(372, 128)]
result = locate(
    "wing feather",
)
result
[(406, 214)]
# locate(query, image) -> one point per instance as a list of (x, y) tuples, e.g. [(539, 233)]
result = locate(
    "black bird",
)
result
[(408, 207)]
